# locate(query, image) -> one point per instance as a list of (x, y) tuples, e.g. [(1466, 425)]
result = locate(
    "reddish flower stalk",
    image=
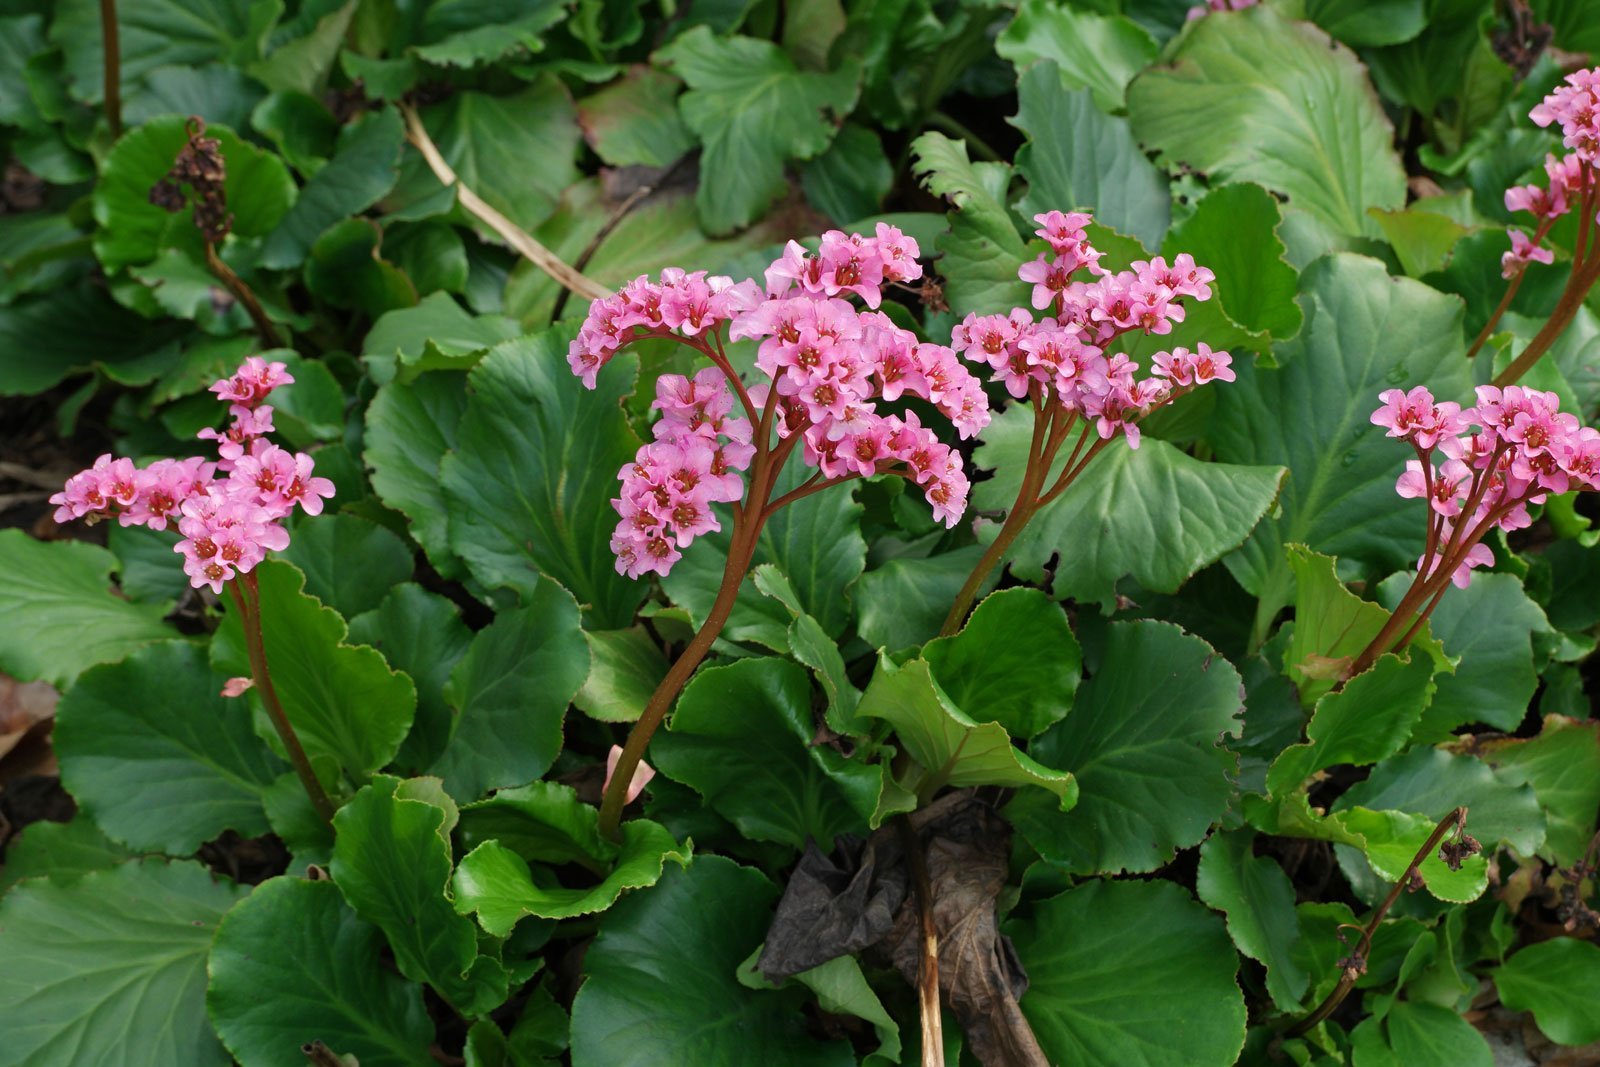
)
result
[(1080, 392), (1574, 181), (1523, 449), (830, 367)]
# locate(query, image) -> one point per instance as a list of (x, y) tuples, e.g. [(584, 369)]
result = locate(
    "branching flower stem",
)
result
[(247, 598), (1455, 820)]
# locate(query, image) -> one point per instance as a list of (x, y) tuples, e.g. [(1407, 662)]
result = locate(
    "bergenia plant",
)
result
[(1510, 451), (1573, 183), (827, 367), (230, 514), (1084, 395)]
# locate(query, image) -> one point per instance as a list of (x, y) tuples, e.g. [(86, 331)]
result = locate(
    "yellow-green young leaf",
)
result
[(1424, 240), (1331, 624), (659, 980), (158, 756), (1304, 120), (391, 860), (497, 884), (348, 707), (754, 111), (627, 667), (1143, 743), (533, 473), (1258, 900), (292, 964), (61, 615), (1103, 963), (742, 738), (128, 944), (1555, 980)]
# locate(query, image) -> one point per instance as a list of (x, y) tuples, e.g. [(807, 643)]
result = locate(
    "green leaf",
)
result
[(470, 33), (954, 748), (811, 645), (431, 253), (1234, 232), (350, 564), (627, 666), (221, 95), (660, 980), (346, 270), (1096, 52), (1488, 628), (496, 883), (350, 710), (1304, 120), (1258, 899), (1332, 626), (157, 756), (1366, 721), (61, 614), (1015, 659), (1563, 766), (1100, 961), (1366, 22), (842, 989), (422, 634), (391, 860), (363, 169), (132, 230), (982, 250), (851, 179), (293, 964), (1364, 332), (1424, 240), (634, 121), (435, 335), (410, 426), (904, 602), (511, 691), (1420, 1034), (111, 966), (1153, 512), (1143, 744), (303, 64), (542, 821), (62, 851), (154, 33), (40, 354), (754, 111), (1078, 157), (742, 738), (1431, 783), (534, 469), (817, 545), (517, 152), (1555, 980)]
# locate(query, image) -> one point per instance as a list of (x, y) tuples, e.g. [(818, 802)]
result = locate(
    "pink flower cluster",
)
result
[(830, 366), (1063, 356), (1511, 450), (229, 510), (1575, 106)]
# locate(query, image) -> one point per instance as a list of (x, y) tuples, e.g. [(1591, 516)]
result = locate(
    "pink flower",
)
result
[(1523, 251), (1186, 368), (250, 384), (283, 479), (237, 687), (641, 775), (1575, 107), (899, 254), (1416, 416), (1049, 277)]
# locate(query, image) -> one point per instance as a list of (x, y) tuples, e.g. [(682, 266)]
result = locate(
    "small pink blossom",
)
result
[(237, 687), (1523, 251), (641, 775)]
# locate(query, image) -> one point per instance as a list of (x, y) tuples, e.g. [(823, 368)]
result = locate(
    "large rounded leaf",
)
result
[(1131, 973), (111, 968), (161, 760), (1556, 980), (660, 987), (292, 965)]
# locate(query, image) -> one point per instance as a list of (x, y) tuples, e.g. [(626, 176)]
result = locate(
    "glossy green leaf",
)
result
[(132, 230), (1015, 661), (61, 613), (851, 179), (659, 980), (293, 964), (1431, 783), (104, 334), (742, 737), (1100, 960), (634, 121), (534, 470), (350, 564), (753, 111), (1100, 53), (152, 34), (540, 821), (154, 753), (1142, 741), (1421, 1034), (111, 966), (1304, 119), (811, 645), (1364, 332), (956, 748), (627, 666), (350, 710), (982, 250), (1154, 512), (410, 426), (1563, 765), (62, 851), (435, 335), (347, 269), (1332, 625), (1365, 22), (1424, 240), (1079, 158), (304, 63), (1234, 233), (1555, 980), (1258, 899), (391, 860), (904, 601), (496, 883), (511, 692)]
